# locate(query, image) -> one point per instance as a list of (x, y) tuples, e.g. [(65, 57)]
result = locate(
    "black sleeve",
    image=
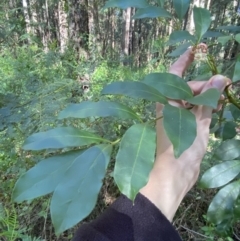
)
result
[(128, 221)]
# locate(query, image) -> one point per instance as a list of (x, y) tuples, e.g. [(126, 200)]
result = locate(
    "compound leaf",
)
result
[(76, 195), (180, 127), (135, 159)]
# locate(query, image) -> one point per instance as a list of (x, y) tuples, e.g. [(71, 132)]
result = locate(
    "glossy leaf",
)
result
[(135, 159), (220, 174), (126, 4), (209, 98), (76, 195), (228, 150), (229, 130), (169, 85), (180, 50), (180, 127), (222, 205), (59, 138), (202, 21), (43, 178), (236, 75), (179, 36), (98, 109), (235, 112), (152, 12), (223, 40), (181, 7), (135, 90)]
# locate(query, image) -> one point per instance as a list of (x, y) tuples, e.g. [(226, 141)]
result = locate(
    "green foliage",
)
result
[(135, 159), (36, 87)]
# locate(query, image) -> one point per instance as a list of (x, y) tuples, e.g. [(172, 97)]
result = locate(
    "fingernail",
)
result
[(219, 82)]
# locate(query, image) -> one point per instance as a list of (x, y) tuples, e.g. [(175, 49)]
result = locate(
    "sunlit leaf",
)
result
[(220, 174), (180, 127), (59, 138), (179, 36), (43, 178), (236, 75), (209, 98), (222, 205), (135, 90), (169, 85), (202, 21), (152, 12), (228, 150), (135, 159), (76, 195), (181, 7), (98, 109), (126, 4)]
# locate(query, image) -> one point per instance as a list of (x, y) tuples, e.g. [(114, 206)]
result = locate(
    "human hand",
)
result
[(172, 178)]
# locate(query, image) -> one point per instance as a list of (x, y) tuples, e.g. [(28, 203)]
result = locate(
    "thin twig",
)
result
[(191, 231)]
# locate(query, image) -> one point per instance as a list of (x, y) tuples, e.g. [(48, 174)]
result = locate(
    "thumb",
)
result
[(218, 82)]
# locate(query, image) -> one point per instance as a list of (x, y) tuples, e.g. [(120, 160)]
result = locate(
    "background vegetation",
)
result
[(50, 50)]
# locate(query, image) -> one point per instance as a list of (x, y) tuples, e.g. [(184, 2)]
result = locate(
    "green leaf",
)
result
[(228, 150), (151, 12), (43, 178), (209, 98), (222, 205), (126, 4), (160, 3), (76, 195), (220, 174), (179, 36), (213, 34), (235, 112), (135, 159), (229, 130), (180, 127), (223, 40), (169, 85), (237, 38), (135, 90), (236, 75), (181, 7), (180, 50), (230, 28), (59, 138), (98, 109), (202, 21)]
